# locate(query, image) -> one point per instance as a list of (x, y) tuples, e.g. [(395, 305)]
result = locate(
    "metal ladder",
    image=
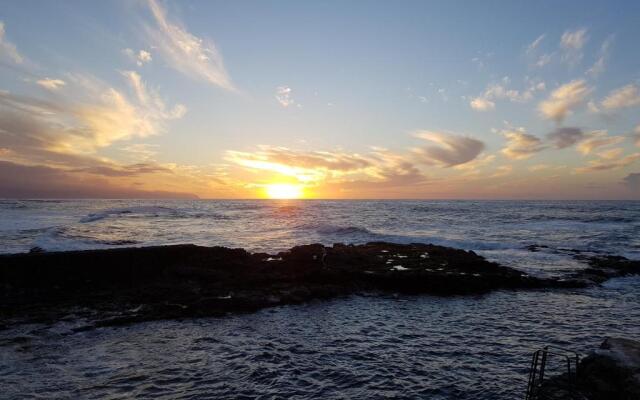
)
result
[(539, 364)]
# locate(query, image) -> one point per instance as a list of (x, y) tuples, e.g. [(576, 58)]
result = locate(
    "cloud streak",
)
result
[(564, 100), (500, 91), (599, 65), (596, 140), (482, 104), (531, 53), (571, 44), (70, 127), (51, 84), (185, 52), (7, 49), (28, 181), (624, 97), (338, 169), (604, 163), (521, 145)]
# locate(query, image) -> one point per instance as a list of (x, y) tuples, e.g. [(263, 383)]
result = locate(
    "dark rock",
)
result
[(136, 284), (610, 373), (605, 267), (613, 371)]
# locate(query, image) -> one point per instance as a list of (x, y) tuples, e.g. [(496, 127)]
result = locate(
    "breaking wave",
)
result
[(115, 212)]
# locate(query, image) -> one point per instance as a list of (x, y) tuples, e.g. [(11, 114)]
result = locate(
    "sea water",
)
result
[(467, 347)]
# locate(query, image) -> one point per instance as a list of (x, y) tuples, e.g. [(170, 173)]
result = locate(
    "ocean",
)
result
[(467, 347)]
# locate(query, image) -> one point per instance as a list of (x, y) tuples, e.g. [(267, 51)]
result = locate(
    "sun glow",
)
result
[(283, 191)]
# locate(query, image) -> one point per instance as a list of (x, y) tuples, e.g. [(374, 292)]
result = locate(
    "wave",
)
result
[(61, 238), (461, 243), (12, 204), (287, 210), (621, 283), (357, 234), (585, 219), (144, 210), (343, 230), (555, 225)]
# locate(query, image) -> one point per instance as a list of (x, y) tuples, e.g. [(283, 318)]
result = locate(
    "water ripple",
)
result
[(359, 347)]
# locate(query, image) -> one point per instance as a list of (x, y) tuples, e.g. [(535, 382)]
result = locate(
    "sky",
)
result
[(322, 99)]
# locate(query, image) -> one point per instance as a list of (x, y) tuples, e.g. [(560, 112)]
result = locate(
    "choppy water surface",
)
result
[(500, 230), (359, 347)]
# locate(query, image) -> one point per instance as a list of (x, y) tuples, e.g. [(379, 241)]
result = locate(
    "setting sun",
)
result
[(283, 191), (330, 177)]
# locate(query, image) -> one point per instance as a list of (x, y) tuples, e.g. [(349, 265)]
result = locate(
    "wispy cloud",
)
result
[(543, 60), (39, 181), (51, 84), (122, 170), (574, 40), (141, 151), (482, 104), (611, 154), (447, 150), (597, 139), (599, 65), (380, 167), (624, 97), (185, 52), (7, 49), (500, 91), (88, 116), (571, 44), (140, 58), (501, 171), (283, 96), (533, 55), (533, 46), (305, 166), (603, 164), (539, 167), (520, 144), (564, 100)]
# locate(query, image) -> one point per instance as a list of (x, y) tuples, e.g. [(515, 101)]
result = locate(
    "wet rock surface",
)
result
[(120, 286), (600, 266), (610, 373)]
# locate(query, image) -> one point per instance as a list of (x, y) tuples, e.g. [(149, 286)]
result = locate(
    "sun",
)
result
[(283, 191)]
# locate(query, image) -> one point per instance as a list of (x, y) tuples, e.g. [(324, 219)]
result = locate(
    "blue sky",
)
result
[(345, 99)]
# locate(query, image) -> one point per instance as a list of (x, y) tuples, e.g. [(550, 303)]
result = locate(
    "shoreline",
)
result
[(119, 286)]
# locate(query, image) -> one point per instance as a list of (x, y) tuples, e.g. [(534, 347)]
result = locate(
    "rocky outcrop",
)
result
[(601, 267), (610, 373), (118, 286), (604, 267)]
